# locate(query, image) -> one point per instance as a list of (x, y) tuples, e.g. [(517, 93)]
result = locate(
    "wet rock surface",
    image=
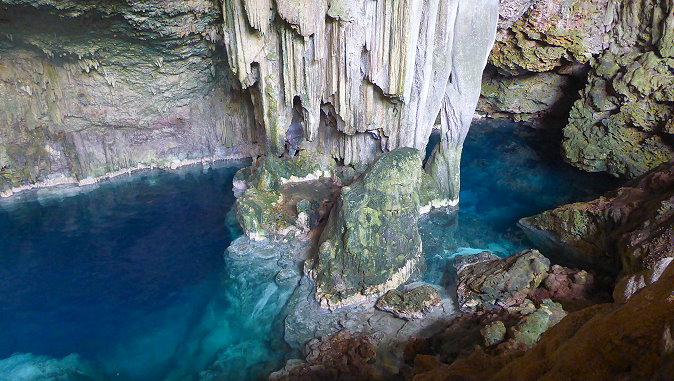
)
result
[(101, 88), (612, 57), (288, 195), (501, 282)]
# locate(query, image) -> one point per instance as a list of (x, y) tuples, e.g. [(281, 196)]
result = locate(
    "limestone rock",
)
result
[(363, 77), (606, 341), (529, 329), (343, 356), (631, 284), (96, 89), (501, 283), (551, 33), (573, 288), (631, 341), (628, 230), (494, 333), (410, 304), (371, 242), (619, 124), (279, 196), (463, 261), (521, 98)]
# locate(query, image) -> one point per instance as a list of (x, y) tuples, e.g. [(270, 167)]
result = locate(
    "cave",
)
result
[(336, 190)]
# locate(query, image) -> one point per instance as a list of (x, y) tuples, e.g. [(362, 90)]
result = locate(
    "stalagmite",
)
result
[(370, 75)]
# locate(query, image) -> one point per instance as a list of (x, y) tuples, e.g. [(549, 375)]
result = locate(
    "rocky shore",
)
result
[(504, 318)]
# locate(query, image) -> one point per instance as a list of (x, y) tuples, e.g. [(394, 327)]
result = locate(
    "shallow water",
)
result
[(131, 278)]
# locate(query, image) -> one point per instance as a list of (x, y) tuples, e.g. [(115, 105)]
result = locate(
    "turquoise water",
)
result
[(131, 278), (129, 282), (508, 171)]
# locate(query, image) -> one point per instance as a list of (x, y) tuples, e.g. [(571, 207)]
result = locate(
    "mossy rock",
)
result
[(501, 283), (531, 327), (260, 209), (371, 242), (271, 171), (620, 122), (411, 304)]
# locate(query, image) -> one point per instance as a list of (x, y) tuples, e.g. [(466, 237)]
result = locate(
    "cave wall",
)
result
[(366, 76), (96, 88), (89, 89), (618, 53)]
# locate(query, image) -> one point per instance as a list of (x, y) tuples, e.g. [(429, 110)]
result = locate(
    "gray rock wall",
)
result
[(89, 89), (369, 76)]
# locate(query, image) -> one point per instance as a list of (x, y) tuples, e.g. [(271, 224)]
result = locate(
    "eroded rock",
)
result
[(371, 242), (501, 282), (279, 196), (410, 304), (627, 230)]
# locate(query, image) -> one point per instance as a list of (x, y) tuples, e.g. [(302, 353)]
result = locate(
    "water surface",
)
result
[(128, 281)]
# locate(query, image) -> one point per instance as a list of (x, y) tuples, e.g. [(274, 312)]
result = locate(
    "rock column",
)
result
[(474, 35)]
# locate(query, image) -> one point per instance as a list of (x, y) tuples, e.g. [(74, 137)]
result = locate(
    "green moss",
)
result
[(372, 231)]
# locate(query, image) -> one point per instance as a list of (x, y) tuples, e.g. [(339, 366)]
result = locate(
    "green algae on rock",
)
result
[(501, 282), (371, 242), (271, 206), (620, 123), (530, 328), (99, 88), (628, 230), (410, 304)]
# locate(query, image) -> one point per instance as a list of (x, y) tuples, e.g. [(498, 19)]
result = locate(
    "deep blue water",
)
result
[(131, 277)]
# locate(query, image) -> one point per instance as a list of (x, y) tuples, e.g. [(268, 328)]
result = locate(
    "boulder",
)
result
[(494, 333), (530, 328), (371, 242), (628, 230), (501, 282), (270, 202), (411, 304)]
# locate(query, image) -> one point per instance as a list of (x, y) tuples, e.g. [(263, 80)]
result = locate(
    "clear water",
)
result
[(508, 171), (128, 281), (130, 277)]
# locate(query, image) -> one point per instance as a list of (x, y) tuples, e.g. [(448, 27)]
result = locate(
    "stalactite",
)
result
[(384, 66)]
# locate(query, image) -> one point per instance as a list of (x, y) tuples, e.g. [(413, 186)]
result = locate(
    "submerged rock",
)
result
[(501, 282), (410, 304), (371, 242)]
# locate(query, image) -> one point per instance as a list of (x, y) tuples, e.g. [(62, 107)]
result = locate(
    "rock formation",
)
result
[(100, 88), (603, 342), (627, 230), (617, 52), (371, 242), (501, 282), (363, 77)]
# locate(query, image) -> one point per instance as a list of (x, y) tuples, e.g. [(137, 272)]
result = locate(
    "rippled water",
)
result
[(130, 277)]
